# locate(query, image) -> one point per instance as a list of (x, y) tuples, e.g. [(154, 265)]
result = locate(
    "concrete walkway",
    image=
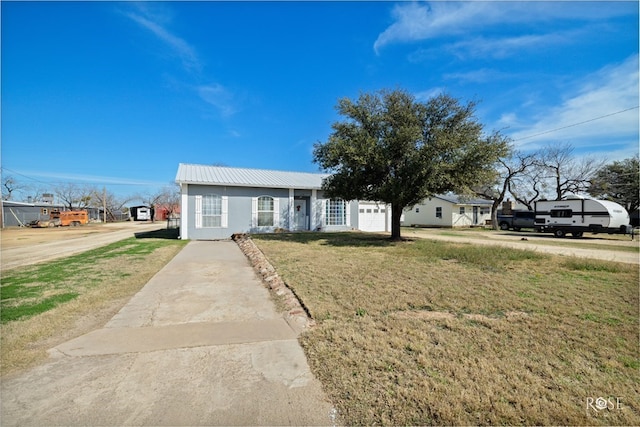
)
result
[(200, 344)]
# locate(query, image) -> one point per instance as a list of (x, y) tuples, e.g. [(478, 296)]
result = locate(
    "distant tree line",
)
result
[(78, 196)]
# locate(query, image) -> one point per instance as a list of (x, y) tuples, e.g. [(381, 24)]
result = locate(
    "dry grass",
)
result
[(103, 284), (427, 332), (592, 241)]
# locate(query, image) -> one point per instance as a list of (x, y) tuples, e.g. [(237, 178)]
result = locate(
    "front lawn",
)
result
[(45, 304), (427, 332)]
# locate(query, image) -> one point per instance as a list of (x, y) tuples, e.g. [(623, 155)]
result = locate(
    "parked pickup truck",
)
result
[(517, 220)]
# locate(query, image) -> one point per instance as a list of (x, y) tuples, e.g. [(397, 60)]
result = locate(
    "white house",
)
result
[(217, 202), (448, 210)]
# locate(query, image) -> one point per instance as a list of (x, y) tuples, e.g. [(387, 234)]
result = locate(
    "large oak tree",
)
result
[(394, 149), (620, 182)]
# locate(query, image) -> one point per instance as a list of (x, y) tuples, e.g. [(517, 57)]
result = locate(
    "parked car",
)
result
[(517, 220)]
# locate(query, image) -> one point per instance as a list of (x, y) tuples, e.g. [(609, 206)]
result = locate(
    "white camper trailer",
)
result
[(577, 216)]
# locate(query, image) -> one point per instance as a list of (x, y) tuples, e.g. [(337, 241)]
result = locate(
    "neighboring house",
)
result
[(448, 210), (217, 202), (164, 212)]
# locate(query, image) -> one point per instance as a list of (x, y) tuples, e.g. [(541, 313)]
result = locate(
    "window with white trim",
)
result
[(336, 212), (265, 211), (462, 210), (211, 211)]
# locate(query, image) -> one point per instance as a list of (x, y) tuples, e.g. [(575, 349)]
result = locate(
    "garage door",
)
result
[(371, 217)]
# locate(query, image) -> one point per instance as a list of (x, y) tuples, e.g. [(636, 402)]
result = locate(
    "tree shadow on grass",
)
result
[(337, 239), (164, 233)]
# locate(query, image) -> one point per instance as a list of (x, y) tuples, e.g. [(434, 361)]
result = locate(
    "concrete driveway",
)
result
[(200, 344)]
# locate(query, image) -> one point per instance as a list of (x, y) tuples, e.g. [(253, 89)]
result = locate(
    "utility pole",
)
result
[(104, 204)]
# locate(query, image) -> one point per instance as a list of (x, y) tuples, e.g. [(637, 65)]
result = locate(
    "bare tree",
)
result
[(565, 173), (10, 185), (103, 199), (530, 185), (172, 199), (75, 196), (510, 169), (168, 198), (35, 194)]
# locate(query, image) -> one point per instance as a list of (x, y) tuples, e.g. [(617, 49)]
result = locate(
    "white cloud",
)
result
[(218, 96), (156, 18), (78, 178), (426, 95), (601, 110), (481, 47), (180, 47), (477, 76), (421, 21), (507, 120)]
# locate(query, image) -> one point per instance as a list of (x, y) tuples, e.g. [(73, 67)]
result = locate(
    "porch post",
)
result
[(312, 214), (184, 211), (291, 212)]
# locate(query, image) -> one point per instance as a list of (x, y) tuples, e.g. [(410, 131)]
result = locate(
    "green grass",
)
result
[(427, 332), (592, 265), (27, 310)]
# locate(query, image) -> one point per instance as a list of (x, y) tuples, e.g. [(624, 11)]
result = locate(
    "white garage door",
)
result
[(371, 217)]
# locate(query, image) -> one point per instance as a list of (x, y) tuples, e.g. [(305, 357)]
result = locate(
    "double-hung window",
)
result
[(336, 212), (211, 211), (438, 212), (265, 211)]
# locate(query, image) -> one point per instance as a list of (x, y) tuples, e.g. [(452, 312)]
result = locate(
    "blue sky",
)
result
[(116, 94)]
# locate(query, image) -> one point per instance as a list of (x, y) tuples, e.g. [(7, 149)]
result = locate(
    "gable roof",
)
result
[(242, 177), (462, 200)]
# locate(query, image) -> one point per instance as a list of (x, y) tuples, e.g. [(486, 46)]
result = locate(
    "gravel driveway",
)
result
[(25, 246)]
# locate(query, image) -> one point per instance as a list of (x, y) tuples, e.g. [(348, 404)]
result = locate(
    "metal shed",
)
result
[(20, 214)]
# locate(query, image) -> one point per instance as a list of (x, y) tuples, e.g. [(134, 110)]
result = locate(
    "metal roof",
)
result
[(241, 177), (462, 200)]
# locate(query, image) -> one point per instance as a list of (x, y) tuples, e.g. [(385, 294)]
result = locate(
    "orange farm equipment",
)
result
[(63, 218)]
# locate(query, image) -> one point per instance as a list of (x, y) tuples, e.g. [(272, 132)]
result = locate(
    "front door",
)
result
[(300, 214), (475, 215)]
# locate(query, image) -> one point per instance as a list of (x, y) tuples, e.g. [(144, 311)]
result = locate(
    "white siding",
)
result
[(276, 212), (254, 212), (184, 211), (224, 220), (198, 211)]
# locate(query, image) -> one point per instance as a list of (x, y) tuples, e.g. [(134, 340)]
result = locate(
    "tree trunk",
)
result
[(494, 213), (396, 213)]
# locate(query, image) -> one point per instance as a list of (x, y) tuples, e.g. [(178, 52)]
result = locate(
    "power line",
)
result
[(577, 124), (22, 175), (96, 181)]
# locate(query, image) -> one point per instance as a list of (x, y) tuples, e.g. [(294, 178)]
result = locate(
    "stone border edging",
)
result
[(297, 315)]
